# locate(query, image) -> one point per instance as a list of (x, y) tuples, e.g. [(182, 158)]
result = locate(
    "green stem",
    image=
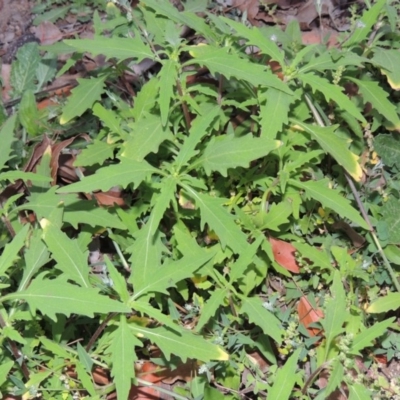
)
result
[(361, 207), (119, 252)]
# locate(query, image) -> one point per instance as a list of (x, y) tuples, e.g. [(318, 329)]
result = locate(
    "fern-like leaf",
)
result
[(125, 173), (123, 357), (219, 220), (332, 92), (82, 98), (229, 151)]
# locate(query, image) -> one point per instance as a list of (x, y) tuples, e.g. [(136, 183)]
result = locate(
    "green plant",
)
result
[(214, 170)]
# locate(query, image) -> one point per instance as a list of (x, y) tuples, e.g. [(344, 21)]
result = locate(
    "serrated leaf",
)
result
[(210, 307), (7, 138), (366, 337), (25, 176), (358, 391), (55, 348), (260, 316), (118, 281), (186, 243), (52, 15), (145, 100), (123, 357), (390, 302), (219, 220), (161, 202), (56, 296), (300, 160), (285, 378), (44, 203), (5, 368), (335, 312), (219, 61), (125, 173), (29, 115), (246, 258), (335, 377), (46, 70), (324, 61), (84, 358), (319, 191), (372, 92), (319, 258), (388, 149), (364, 26), (146, 255), (146, 137), (75, 211), (332, 92), (147, 248), (277, 215), (145, 308), (70, 259), (88, 212), (152, 279), (278, 104), (95, 153), (120, 48), (318, 62), (82, 98), (23, 69), (335, 146), (84, 377), (229, 151), (255, 37), (200, 128), (186, 18), (184, 344), (388, 60), (35, 257), (110, 119), (10, 252), (167, 80)]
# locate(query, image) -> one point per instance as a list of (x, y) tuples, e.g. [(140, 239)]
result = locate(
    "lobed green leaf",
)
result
[(320, 191), (56, 296), (125, 173)]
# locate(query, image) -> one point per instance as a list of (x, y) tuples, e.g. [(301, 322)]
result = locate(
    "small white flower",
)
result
[(268, 305), (203, 369)]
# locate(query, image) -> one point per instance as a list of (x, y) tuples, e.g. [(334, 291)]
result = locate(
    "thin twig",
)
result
[(99, 330), (185, 109)]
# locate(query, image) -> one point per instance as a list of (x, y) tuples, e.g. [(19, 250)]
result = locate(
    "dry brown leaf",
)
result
[(308, 315), (19, 186), (357, 239), (5, 78), (110, 198), (251, 7), (284, 254), (62, 164), (48, 33)]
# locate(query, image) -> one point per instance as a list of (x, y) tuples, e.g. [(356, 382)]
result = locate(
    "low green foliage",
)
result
[(209, 169)]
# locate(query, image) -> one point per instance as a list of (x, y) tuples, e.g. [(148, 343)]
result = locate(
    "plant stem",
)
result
[(119, 252), (372, 231), (361, 207)]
